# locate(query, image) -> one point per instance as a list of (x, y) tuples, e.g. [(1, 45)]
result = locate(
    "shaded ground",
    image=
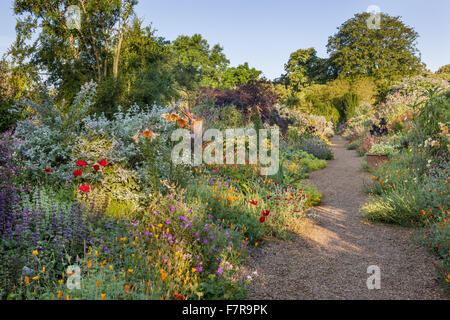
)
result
[(330, 256)]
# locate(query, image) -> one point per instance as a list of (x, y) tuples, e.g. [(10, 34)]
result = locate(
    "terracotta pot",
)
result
[(375, 160)]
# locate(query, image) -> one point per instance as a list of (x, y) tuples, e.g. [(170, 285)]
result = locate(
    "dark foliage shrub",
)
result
[(7, 118), (256, 96), (380, 129)]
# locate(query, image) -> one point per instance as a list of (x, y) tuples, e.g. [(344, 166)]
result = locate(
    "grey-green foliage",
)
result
[(317, 147), (54, 139)]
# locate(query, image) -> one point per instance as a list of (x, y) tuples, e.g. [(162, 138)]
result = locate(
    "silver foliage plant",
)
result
[(51, 138)]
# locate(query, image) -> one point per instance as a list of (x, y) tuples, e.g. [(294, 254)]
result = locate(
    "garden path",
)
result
[(329, 257)]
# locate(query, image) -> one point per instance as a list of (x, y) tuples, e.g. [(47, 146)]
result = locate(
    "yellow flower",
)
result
[(130, 270), (110, 267), (43, 269), (60, 281), (36, 278), (35, 253)]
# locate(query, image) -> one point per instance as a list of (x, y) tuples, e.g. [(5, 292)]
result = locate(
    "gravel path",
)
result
[(330, 256)]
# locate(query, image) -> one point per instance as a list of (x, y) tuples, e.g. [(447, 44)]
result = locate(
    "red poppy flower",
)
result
[(84, 188), (77, 173), (265, 213), (262, 219), (48, 170), (103, 163), (81, 163), (96, 167), (254, 202), (179, 296)]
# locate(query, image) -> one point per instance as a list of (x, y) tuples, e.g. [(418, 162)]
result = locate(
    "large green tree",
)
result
[(305, 68), (240, 75), (388, 52), (68, 56), (145, 70), (444, 72), (195, 64)]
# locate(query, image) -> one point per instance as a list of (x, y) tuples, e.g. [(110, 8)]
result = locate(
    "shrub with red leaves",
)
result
[(256, 96)]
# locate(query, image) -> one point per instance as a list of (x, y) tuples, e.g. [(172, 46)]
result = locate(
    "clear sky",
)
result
[(264, 32)]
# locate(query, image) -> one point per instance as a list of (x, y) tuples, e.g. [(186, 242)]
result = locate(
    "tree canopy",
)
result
[(305, 68), (388, 52)]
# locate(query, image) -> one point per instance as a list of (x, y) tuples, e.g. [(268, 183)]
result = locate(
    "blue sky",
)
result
[(264, 32)]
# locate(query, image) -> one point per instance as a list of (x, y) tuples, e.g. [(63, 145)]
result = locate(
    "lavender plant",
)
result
[(41, 242)]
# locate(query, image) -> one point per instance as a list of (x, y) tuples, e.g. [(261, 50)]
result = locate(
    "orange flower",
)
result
[(59, 293), (127, 288), (103, 296), (179, 296), (27, 280), (89, 263), (174, 117), (136, 137), (166, 116), (149, 134), (182, 122), (97, 284)]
